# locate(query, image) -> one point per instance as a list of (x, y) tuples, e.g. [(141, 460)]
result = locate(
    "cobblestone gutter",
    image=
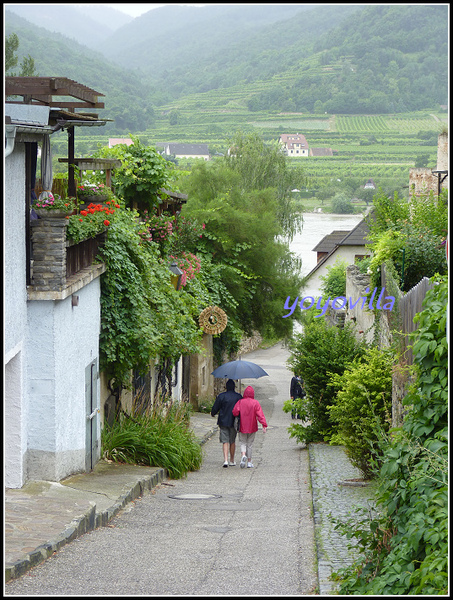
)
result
[(329, 468)]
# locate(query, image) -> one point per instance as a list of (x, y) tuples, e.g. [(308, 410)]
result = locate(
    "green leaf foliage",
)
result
[(362, 408), (158, 439), (406, 545), (242, 228), (142, 314), (317, 354), (412, 234), (142, 175), (334, 283)]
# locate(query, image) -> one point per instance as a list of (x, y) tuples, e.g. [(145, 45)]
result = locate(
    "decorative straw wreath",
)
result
[(213, 320)]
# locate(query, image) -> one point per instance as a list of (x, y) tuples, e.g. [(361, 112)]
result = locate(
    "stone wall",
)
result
[(49, 254), (422, 180), (364, 320)]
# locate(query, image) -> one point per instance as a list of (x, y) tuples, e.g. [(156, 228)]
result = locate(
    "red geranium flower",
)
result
[(106, 223)]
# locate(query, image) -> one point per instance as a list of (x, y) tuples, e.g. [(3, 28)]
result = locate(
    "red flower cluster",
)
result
[(93, 208)]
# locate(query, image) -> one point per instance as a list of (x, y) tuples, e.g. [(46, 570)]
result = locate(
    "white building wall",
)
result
[(15, 307), (346, 254), (15, 318), (63, 341)]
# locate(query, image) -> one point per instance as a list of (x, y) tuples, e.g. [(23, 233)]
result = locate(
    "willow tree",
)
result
[(240, 199)]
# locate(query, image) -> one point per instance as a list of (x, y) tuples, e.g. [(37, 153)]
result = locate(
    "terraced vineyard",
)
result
[(381, 147)]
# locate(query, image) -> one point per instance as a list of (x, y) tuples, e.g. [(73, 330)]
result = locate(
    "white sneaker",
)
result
[(249, 465), (243, 461), (231, 464), (225, 464)]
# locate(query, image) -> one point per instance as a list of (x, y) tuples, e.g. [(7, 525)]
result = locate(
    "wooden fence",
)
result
[(411, 304), (59, 186), (408, 305)]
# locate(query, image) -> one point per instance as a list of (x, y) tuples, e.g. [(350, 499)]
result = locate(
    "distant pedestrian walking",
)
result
[(250, 412), (296, 391), (223, 405)]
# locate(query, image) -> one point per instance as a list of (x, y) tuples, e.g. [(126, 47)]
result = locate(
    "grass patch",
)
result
[(159, 437)]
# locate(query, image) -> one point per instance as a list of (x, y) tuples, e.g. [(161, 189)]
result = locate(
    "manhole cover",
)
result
[(194, 496)]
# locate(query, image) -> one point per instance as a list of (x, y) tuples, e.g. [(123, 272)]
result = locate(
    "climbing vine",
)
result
[(143, 316)]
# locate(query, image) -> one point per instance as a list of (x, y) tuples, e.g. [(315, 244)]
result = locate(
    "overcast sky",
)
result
[(135, 10)]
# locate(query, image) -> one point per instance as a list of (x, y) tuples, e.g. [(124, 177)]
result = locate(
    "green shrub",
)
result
[(342, 205), (362, 408), (334, 283), (160, 438), (316, 354), (405, 547)]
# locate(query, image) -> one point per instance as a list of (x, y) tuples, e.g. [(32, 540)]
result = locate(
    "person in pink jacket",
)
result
[(250, 412)]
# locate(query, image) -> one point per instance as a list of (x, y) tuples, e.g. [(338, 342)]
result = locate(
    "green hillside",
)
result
[(368, 81)]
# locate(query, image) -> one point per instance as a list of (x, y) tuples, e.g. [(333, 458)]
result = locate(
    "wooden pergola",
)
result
[(65, 96)]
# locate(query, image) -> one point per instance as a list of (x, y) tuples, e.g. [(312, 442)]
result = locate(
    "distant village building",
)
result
[(294, 144), (184, 150), (369, 185), (116, 141)]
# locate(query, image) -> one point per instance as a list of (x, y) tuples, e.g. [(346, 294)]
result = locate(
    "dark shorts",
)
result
[(227, 435)]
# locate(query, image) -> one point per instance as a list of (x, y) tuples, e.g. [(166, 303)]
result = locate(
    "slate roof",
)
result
[(356, 237), (188, 149), (329, 242)]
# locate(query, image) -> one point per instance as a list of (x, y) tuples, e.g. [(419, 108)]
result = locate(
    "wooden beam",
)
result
[(45, 87)]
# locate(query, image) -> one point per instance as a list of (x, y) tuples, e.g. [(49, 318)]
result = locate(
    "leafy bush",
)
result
[(316, 354), (334, 283), (362, 408), (342, 205), (412, 234), (142, 175), (160, 438), (406, 546), (424, 256)]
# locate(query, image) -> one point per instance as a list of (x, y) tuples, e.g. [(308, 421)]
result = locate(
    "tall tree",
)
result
[(27, 64), (237, 199)]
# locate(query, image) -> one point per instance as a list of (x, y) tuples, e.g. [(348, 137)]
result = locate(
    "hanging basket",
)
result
[(213, 320), (45, 213)]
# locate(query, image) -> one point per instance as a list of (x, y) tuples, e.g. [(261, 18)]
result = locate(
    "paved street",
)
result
[(217, 532)]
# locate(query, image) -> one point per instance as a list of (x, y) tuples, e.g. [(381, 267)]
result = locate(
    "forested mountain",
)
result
[(127, 97), (88, 24), (302, 58)]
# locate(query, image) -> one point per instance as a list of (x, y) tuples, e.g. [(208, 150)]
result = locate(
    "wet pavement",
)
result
[(42, 517)]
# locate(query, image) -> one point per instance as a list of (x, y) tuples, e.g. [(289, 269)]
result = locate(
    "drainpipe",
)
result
[(10, 131)]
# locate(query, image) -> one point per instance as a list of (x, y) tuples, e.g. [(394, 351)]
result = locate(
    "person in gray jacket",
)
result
[(223, 405)]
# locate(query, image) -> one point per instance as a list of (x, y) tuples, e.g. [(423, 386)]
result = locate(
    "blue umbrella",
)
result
[(239, 369)]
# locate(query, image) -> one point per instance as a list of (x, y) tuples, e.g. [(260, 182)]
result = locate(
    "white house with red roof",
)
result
[(294, 144)]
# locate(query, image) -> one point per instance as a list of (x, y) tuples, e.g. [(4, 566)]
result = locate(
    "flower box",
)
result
[(46, 213), (82, 254)]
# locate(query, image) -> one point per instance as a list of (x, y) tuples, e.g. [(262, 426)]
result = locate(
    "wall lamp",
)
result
[(176, 275)]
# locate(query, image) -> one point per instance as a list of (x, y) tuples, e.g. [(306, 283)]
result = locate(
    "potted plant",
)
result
[(87, 193), (54, 206)]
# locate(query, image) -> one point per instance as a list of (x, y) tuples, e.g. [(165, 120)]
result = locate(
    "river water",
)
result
[(317, 226)]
